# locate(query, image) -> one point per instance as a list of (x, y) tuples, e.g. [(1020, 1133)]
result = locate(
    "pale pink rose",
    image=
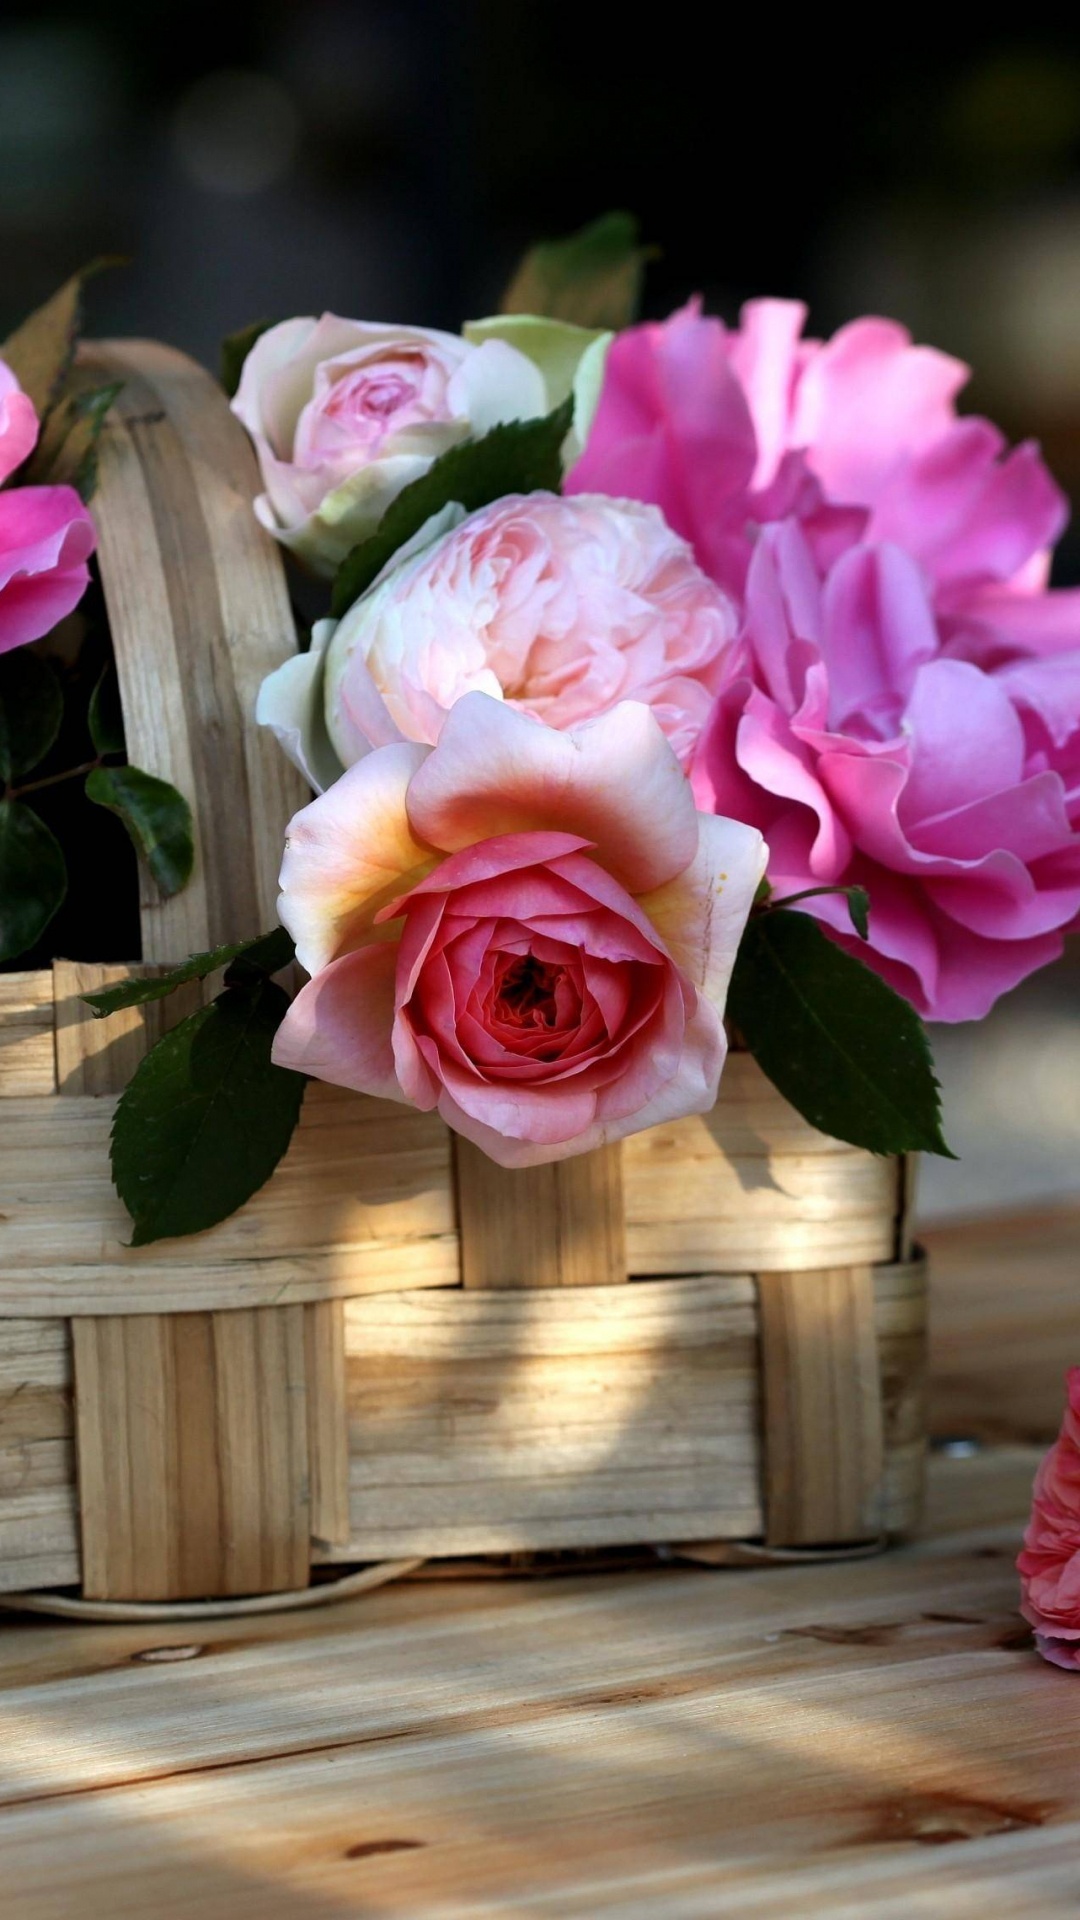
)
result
[(857, 437), (562, 607), (1050, 1562), (344, 414), (868, 756), (530, 931), (46, 534)]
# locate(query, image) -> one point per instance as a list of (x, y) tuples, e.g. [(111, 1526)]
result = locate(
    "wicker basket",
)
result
[(396, 1348)]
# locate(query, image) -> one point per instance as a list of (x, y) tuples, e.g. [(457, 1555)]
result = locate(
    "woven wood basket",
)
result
[(396, 1348)]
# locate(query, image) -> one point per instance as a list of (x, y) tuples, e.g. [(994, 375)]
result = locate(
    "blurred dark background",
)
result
[(391, 158)]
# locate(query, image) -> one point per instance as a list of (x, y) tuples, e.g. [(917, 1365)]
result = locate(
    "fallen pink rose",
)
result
[(1050, 1562), (531, 931)]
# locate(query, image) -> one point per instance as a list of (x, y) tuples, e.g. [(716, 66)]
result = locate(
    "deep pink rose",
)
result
[(867, 755), (859, 440), (1050, 1562), (531, 931), (46, 534), (18, 424), (857, 437)]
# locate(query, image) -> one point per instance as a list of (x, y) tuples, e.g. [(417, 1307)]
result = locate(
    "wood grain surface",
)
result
[(875, 1738)]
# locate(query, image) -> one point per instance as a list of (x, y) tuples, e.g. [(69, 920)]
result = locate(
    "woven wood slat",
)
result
[(192, 1434), (192, 1447), (823, 1426), (561, 1225)]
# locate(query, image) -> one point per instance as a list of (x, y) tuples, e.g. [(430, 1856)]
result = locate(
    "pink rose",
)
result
[(866, 754), (530, 931), (856, 436), (18, 424), (46, 534), (563, 608), (345, 414), (1050, 1562)]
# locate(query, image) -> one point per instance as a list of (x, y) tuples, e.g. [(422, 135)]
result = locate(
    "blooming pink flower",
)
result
[(1050, 1562), (18, 424), (904, 708), (856, 436), (531, 931), (46, 534), (866, 755)]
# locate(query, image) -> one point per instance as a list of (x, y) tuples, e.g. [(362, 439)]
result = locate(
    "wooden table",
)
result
[(874, 1738)]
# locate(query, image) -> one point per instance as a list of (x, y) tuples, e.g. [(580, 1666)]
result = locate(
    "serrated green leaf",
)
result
[(105, 717), (33, 878), (592, 278), (206, 1117), (267, 953), (521, 456), (31, 710), (235, 349), (848, 1052), (40, 352), (157, 818)]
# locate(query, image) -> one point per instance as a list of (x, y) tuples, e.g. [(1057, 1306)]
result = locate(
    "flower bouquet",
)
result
[(675, 690), (654, 652)]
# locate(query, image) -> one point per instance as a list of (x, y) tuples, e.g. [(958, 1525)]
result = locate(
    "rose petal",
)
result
[(615, 781), (338, 1027), (290, 703), (348, 854), (701, 915)]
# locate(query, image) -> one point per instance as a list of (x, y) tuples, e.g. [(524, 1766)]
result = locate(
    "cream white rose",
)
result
[(345, 413)]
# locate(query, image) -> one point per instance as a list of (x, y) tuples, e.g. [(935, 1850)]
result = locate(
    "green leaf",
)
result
[(593, 278), (157, 818), (234, 351), (206, 1117), (521, 456), (33, 878), (40, 352), (846, 1050), (31, 709), (105, 717), (267, 953), (858, 901)]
